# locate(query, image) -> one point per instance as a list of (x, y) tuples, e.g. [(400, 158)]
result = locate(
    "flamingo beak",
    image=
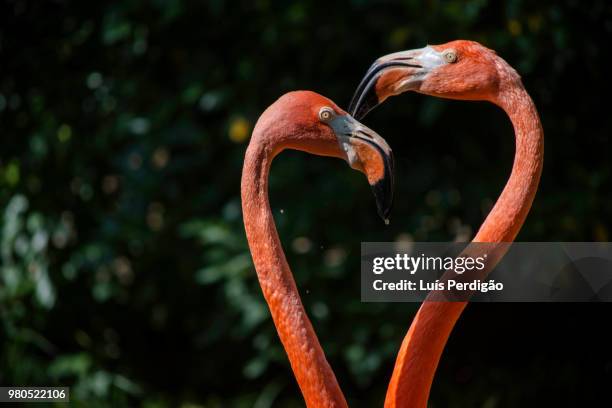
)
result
[(391, 75), (369, 153)]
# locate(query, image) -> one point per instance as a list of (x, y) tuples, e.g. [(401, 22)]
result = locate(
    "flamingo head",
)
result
[(307, 121), (457, 70)]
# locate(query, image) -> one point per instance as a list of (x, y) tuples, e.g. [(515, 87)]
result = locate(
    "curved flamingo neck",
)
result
[(424, 343), (312, 371), (510, 211)]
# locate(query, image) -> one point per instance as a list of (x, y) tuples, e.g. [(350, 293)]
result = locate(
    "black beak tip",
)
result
[(364, 104), (383, 193), (365, 98)]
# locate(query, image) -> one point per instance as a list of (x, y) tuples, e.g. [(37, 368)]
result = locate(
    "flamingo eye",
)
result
[(450, 56), (326, 114)]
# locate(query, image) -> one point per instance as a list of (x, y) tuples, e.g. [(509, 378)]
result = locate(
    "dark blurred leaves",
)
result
[(125, 272)]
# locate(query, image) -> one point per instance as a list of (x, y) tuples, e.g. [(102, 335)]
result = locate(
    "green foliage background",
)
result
[(124, 267)]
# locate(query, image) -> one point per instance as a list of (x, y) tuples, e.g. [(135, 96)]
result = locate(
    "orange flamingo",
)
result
[(314, 124), (469, 71)]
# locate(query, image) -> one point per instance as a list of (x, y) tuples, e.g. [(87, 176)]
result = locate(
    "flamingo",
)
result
[(309, 122), (463, 70)]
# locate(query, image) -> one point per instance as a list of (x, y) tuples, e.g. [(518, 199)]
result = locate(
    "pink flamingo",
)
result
[(469, 71), (314, 124)]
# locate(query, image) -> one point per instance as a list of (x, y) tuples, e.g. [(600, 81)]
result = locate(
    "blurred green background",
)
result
[(124, 268)]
